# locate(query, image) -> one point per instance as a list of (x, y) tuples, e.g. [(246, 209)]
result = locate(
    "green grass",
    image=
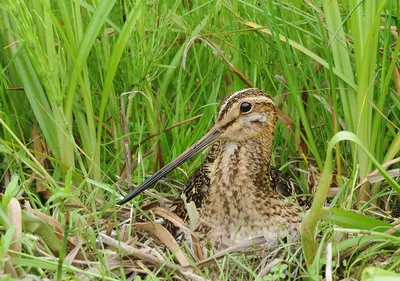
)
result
[(64, 143)]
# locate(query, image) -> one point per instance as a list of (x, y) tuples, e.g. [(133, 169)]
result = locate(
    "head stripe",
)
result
[(229, 100)]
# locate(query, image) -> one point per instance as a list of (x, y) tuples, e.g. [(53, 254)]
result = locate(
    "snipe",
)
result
[(238, 194)]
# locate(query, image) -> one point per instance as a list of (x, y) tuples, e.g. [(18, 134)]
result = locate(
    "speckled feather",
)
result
[(236, 184), (198, 183)]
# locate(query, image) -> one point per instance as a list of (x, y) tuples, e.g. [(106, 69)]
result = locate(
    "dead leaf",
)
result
[(166, 238), (50, 220), (374, 176), (40, 146), (197, 248), (124, 234), (9, 268), (233, 249), (15, 218), (109, 229), (172, 217), (143, 254)]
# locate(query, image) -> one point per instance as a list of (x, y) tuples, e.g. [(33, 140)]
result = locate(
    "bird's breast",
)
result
[(240, 204)]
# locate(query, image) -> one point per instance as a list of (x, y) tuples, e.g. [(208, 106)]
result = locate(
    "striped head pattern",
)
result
[(246, 114)]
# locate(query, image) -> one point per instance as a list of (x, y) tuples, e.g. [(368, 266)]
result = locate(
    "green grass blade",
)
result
[(313, 215), (351, 219), (111, 71), (91, 33)]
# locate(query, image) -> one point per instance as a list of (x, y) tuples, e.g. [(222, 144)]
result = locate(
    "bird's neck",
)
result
[(243, 164)]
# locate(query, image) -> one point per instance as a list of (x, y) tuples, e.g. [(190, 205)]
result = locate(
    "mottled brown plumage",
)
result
[(199, 182), (238, 194)]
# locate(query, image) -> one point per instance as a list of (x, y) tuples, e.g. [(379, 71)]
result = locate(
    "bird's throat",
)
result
[(241, 165)]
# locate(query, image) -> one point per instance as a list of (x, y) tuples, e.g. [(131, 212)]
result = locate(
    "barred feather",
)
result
[(198, 183)]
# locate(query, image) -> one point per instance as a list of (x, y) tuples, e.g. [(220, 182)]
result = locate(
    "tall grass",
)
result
[(332, 66)]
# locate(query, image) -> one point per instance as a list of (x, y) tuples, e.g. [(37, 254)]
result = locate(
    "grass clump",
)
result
[(71, 143)]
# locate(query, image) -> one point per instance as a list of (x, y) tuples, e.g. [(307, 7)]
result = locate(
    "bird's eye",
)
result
[(245, 107)]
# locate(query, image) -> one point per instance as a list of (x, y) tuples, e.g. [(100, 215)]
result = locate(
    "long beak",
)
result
[(204, 142)]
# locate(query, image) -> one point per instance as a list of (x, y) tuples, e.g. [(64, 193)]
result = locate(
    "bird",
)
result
[(238, 194)]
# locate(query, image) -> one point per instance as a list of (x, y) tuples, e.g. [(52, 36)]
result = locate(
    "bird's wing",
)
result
[(287, 188), (199, 182)]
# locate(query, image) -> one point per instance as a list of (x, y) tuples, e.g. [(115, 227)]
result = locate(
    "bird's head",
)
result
[(244, 115)]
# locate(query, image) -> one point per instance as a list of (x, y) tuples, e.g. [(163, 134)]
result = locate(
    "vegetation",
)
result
[(96, 95)]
